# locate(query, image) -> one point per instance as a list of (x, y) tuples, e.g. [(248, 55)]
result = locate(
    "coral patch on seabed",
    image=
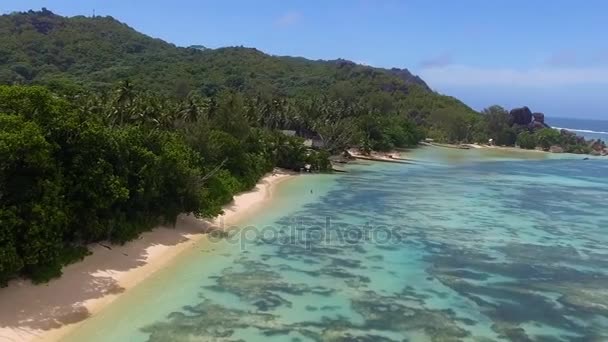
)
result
[(480, 251)]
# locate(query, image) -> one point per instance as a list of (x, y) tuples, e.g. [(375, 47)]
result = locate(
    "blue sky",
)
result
[(549, 55)]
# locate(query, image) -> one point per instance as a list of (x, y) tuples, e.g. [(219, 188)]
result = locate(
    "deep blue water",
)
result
[(590, 129)]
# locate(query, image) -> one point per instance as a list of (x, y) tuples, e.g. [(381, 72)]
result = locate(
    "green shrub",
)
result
[(526, 140)]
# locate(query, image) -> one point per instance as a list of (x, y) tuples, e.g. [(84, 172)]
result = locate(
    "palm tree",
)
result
[(125, 94)]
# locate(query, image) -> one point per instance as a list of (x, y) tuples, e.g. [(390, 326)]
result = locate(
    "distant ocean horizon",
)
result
[(588, 128)]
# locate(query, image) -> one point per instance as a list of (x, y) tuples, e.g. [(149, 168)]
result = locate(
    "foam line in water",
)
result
[(581, 130)]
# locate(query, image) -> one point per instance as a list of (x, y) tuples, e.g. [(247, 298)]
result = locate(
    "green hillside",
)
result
[(106, 132), (96, 53)]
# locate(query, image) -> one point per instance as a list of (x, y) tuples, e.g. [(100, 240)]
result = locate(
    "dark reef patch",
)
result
[(500, 254)]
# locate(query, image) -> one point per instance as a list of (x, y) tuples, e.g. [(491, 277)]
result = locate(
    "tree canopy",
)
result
[(72, 54), (110, 166), (111, 132)]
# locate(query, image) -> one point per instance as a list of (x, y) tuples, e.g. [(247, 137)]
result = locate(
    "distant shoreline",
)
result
[(48, 312), (507, 148)]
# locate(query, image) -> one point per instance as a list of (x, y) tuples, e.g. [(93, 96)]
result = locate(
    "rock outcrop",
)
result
[(598, 148), (409, 78), (538, 121), (522, 119), (573, 136), (539, 117), (521, 116), (344, 63), (535, 125), (597, 145)]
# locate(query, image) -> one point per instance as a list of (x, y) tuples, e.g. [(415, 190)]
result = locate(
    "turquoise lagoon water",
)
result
[(469, 245)]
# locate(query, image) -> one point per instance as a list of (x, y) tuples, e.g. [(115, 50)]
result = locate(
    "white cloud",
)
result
[(288, 19), (455, 75)]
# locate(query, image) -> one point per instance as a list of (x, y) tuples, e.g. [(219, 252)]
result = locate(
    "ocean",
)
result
[(464, 245), (590, 129)]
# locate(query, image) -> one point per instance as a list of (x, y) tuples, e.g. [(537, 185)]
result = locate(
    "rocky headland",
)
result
[(542, 136)]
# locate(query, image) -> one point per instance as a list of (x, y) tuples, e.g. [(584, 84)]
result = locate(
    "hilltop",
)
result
[(75, 54), (70, 55), (96, 52), (122, 132)]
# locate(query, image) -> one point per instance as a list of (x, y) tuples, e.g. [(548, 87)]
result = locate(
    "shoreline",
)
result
[(506, 148), (536, 150), (48, 312), (387, 157)]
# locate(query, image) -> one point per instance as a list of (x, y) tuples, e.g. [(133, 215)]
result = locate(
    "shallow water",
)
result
[(469, 245)]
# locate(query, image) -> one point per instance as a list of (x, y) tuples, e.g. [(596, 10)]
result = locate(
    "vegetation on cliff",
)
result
[(70, 55)]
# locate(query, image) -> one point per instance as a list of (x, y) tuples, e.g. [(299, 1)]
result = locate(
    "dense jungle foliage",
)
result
[(106, 132), (91, 167), (123, 131), (70, 55)]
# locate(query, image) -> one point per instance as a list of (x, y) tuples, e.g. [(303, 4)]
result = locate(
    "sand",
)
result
[(49, 311), (511, 148), (391, 157)]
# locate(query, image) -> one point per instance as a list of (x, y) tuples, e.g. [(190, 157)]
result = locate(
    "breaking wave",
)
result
[(581, 130)]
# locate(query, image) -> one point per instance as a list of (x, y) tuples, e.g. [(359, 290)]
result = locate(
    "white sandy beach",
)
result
[(502, 148), (392, 156), (47, 312), (511, 148)]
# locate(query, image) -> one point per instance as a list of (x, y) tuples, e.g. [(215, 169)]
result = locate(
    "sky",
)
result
[(549, 55)]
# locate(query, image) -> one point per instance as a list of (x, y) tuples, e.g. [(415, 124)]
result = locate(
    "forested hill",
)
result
[(122, 132), (40, 47), (128, 131)]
